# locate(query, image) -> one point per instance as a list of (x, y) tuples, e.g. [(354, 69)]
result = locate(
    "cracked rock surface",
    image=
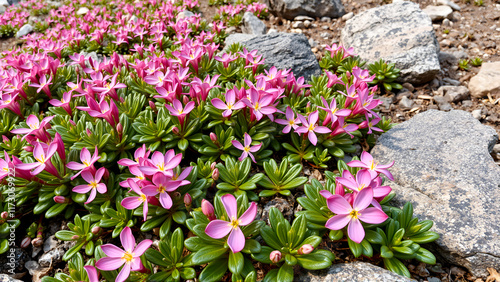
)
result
[(443, 166)]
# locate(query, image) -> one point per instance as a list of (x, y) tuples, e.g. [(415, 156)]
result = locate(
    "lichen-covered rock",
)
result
[(289, 9), (486, 81), (443, 166), (253, 25), (347, 272), (282, 50), (399, 33)]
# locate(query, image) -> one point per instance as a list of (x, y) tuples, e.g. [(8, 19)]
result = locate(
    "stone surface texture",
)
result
[(443, 166), (282, 50), (348, 272), (438, 13), (289, 9), (25, 29), (253, 25), (486, 81), (399, 33)]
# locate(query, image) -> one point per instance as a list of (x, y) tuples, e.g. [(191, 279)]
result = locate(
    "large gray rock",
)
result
[(444, 168), (289, 9), (282, 50), (486, 81), (399, 33), (25, 29), (348, 272), (253, 25)]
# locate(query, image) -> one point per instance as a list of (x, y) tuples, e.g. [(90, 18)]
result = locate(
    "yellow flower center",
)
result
[(86, 163), (361, 187), (33, 126), (161, 189), (142, 198), (5, 169), (161, 166), (128, 257), (334, 111), (229, 106), (41, 159), (93, 184), (311, 127), (257, 106), (247, 149), (234, 223), (354, 214), (373, 165), (291, 122)]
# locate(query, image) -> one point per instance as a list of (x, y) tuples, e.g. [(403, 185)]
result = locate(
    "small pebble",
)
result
[(476, 114), (348, 16)]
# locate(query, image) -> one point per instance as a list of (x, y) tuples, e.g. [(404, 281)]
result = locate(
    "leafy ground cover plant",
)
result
[(129, 126)]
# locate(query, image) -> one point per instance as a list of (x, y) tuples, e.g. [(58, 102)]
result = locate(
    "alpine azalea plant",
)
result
[(137, 120)]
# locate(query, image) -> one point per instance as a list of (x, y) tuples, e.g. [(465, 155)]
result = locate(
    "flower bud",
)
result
[(175, 130), (275, 256), (5, 139), (212, 165), (4, 215), (207, 209), (152, 105), (37, 242), (215, 174), (25, 242), (89, 133), (185, 99), (72, 122), (95, 230), (75, 237), (305, 249), (60, 199), (213, 137), (187, 199), (119, 128)]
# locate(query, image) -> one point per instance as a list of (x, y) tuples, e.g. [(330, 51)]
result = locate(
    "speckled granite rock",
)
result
[(444, 168), (282, 50), (349, 272), (399, 33), (289, 9), (253, 25)]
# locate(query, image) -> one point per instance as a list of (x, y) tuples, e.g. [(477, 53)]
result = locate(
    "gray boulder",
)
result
[(253, 25), (399, 33), (443, 166), (289, 9), (25, 29), (347, 272), (486, 81), (282, 50)]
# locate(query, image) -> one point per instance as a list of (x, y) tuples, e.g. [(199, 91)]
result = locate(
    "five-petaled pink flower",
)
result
[(310, 127), (230, 104), (218, 229), (162, 185), (42, 154), (333, 111), (87, 162), (64, 102), (260, 105), (129, 257), (353, 215), (179, 111), (247, 149), (363, 180), (35, 127), (93, 185), (161, 163), (290, 122), (131, 203), (373, 167)]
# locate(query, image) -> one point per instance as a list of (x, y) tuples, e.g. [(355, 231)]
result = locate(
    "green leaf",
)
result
[(270, 237), (235, 262), (425, 237), (179, 217), (335, 235), (314, 261), (271, 276), (285, 274), (267, 193), (188, 273), (385, 252), (374, 237), (208, 254), (156, 257), (425, 256), (290, 260), (356, 248), (251, 246), (183, 144), (214, 271), (264, 254), (396, 266)]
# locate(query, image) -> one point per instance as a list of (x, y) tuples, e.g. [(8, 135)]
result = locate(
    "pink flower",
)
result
[(162, 185), (290, 122), (305, 249), (131, 203), (9, 101), (42, 154), (91, 273), (87, 161), (310, 127), (109, 88), (333, 111), (230, 104), (370, 124), (218, 229), (353, 215), (64, 102), (259, 105), (333, 79), (275, 256), (43, 85), (36, 127), (139, 155), (373, 167), (178, 110), (225, 59), (161, 163), (93, 185), (247, 149), (129, 257)]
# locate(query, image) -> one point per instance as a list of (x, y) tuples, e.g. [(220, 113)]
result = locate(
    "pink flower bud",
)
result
[(37, 242), (95, 230), (4, 215), (75, 237), (347, 74), (208, 210), (60, 200), (89, 133), (72, 122), (187, 199), (28, 148), (25, 242), (119, 128), (5, 139), (215, 174), (213, 137), (152, 105), (305, 249), (185, 99), (275, 256), (212, 165), (175, 130)]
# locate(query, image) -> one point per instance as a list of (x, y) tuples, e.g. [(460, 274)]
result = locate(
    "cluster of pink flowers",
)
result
[(364, 190), (154, 176)]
